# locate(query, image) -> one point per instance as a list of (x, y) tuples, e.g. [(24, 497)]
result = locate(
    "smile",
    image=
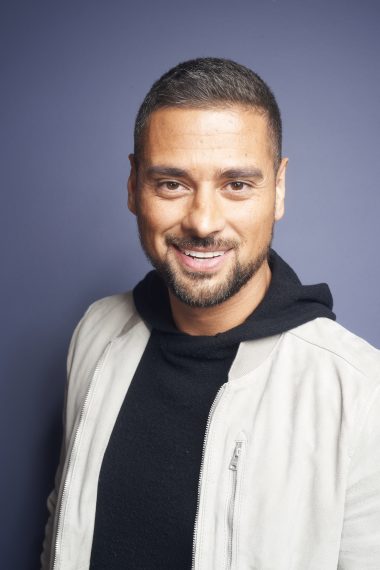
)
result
[(202, 261), (202, 254)]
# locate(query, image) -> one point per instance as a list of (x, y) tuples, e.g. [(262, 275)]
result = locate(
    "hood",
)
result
[(286, 305)]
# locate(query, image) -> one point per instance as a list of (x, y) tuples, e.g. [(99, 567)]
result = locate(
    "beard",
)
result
[(194, 288)]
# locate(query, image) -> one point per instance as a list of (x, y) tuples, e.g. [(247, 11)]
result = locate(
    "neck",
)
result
[(210, 321)]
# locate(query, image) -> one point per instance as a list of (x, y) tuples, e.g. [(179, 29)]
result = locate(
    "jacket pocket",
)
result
[(233, 505)]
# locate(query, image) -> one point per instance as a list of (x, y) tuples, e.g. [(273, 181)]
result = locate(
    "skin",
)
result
[(184, 188)]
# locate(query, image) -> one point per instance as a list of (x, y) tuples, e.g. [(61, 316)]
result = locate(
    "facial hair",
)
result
[(188, 288)]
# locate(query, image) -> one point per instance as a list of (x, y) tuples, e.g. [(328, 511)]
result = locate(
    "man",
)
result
[(217, 417)]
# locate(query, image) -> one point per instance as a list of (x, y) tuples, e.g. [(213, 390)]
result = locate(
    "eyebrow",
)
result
[(251, 172), (166, 171)]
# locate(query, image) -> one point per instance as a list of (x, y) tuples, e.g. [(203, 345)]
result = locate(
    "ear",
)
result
[(279, 208), (132, 184)]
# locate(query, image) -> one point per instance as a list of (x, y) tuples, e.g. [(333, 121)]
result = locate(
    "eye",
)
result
[(169, 185), (171, 189), (238, 186)]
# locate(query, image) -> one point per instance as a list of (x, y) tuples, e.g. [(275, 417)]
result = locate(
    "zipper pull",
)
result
[(235, 458)]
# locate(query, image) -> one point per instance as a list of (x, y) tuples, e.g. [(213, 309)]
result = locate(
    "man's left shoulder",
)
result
[(343, 345)]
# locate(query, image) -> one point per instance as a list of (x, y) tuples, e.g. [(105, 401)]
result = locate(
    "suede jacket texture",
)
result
[(290, 477)]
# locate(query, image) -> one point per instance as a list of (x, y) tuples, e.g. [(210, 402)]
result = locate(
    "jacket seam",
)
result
[(367, 409), (357, 428), (73, 472), (326, 349)]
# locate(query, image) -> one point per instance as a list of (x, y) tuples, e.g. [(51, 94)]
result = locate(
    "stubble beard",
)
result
[(191, 287)]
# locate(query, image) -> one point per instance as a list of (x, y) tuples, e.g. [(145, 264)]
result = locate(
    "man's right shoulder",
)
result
[(110, 314), (104, 320)]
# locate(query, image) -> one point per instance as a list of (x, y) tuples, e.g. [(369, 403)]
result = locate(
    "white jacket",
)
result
[(290, 476)]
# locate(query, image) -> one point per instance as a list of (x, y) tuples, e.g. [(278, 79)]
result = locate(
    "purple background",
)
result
[(72, 77)]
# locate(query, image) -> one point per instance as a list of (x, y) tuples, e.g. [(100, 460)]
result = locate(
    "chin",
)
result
[(197, 289)]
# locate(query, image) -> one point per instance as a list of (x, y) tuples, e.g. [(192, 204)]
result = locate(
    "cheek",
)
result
[(155, 222), (160, 216), (254, 221)]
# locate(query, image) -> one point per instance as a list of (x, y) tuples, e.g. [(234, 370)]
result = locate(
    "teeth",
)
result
[(203, 254)]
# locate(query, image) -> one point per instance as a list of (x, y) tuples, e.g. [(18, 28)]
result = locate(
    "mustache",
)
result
[(203, 242)]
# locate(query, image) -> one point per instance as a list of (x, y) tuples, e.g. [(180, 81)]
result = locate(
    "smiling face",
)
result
[(206, 197)]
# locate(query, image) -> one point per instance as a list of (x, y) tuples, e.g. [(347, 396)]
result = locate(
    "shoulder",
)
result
[(333, 340), (103, 321), (112, 311), (339, 356), (347, 368)]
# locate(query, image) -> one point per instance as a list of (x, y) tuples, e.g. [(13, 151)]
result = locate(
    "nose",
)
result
[(204, 215)]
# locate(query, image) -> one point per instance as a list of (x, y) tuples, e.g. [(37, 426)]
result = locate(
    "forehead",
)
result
[(220, 133)]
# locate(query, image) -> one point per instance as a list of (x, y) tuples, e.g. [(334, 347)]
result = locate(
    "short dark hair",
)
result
[(208, 82)]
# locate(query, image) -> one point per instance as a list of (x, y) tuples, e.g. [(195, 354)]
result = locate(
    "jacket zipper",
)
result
[(70, 463), (209, 419), (233, 466)]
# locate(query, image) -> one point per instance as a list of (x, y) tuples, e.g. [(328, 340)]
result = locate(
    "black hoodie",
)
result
[(148, 484)]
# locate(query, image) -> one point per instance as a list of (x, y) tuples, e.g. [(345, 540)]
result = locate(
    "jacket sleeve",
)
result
[(360, 542), (53, 497)]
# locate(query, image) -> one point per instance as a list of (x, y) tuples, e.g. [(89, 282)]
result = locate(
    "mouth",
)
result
[(201, 260), (202, 254)]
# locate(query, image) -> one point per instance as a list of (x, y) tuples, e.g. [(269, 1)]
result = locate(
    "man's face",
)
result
[(206, 197)]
